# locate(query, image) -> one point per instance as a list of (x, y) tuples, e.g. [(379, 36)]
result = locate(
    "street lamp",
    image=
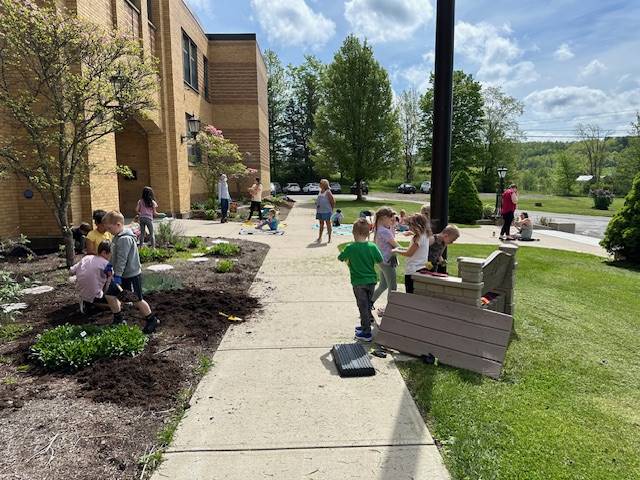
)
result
[(193, 127), (502, 173)]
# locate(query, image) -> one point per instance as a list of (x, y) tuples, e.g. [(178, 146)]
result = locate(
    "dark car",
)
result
[(363, 187), (275, 188), (406, 188), (335, 187)]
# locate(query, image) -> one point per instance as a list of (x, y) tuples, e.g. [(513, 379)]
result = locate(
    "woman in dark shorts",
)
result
[(325, 203)]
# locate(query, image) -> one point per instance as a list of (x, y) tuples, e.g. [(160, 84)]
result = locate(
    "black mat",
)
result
[(352, 360)]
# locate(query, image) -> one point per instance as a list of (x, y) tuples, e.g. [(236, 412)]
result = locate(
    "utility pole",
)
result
[(442, 114)]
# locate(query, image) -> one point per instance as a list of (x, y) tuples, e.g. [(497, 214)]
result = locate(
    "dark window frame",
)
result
[(205, 80), (189, 61)]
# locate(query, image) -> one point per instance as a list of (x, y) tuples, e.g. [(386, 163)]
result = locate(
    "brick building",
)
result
[(219, 79)]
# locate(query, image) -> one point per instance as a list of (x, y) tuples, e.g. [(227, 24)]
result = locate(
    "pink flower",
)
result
[(211, 130)]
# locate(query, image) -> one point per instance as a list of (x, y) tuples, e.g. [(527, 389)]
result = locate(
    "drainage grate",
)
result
[(352, 360)]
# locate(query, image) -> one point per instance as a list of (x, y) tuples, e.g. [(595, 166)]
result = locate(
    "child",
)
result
[(337, 217), (384, 238), (271, 221), (98, 234), (362, 257), (127, 272), (418, 251), (146, 209), (93, 275), (525, 228), (402, 222), (441, 240), (79, 236)]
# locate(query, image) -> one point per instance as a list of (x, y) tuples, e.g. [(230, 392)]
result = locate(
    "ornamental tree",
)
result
[(65, 84), (218, 155), (622, 237), (464, 203)]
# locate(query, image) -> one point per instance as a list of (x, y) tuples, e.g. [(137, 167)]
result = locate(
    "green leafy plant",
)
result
[(11, 331), (602, 198), (148, 254), (225, 266), (9, 287), (488, 209), (225, 249), (196, 243), (204, 365), (622, 237), (169, 233), (160, 282), (72, 347), (464, 203), (210, 214), (180, 246)]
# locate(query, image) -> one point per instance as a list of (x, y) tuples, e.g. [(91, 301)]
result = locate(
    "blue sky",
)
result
[(569, 61)]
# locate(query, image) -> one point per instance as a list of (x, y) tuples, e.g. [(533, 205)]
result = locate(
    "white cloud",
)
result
[(418, 75), (293, 22), (563, 53), (594, 67), (201, 5), (387, 20), (497, 55)]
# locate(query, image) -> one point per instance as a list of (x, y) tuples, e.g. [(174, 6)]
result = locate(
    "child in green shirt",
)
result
[(362, 257)]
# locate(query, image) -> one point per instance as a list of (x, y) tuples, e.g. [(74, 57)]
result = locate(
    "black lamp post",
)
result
[(193, 127), (502, 173)]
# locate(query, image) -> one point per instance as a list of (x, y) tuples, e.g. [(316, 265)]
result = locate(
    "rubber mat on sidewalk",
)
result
[(352, 360)]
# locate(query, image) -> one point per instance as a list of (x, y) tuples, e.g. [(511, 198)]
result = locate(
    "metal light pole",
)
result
[(502, 173), (442, 114)]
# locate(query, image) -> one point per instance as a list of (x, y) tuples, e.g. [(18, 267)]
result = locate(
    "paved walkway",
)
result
[(273, 405)]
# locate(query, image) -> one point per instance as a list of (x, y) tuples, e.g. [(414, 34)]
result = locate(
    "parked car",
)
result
[(406, 188), (311, 188), (335, 187), (363, 186), (275, 188), (425, 187), (291, 188)]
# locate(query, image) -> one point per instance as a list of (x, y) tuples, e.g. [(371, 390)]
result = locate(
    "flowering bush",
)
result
[(72, 347), (602, 198)]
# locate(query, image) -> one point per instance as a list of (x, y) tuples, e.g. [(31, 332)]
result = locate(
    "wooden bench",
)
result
[(456, 334)]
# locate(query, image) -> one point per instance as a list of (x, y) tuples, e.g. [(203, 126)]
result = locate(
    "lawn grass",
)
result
[(557, 204), (566, 406), (351, 208)]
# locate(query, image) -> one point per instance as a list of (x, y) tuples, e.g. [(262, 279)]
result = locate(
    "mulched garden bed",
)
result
[(97, 423)]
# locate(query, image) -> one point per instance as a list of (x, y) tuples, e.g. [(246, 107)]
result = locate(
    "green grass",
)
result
[(12, 331), (557, 204), (351, 208), (566, 406)]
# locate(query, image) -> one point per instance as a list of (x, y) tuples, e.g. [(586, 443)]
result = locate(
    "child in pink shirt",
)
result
[(146, 210), (93, 274)]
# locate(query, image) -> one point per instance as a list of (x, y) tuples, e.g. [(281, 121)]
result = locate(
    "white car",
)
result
[(425, 187), (311, 188), (291, 188)]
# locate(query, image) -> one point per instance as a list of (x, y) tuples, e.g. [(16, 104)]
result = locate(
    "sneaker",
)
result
[(151, 324), (365, 337)]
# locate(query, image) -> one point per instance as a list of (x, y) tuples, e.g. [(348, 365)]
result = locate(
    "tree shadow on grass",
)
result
[(623, 265)]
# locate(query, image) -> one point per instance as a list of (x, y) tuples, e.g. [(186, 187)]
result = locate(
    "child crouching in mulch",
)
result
[(93, 276)]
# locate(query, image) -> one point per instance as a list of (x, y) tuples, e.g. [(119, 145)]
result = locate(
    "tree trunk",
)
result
[(67, 235)]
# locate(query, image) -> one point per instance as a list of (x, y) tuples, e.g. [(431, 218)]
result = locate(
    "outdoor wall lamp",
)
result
[(193, 127), (502, 172)]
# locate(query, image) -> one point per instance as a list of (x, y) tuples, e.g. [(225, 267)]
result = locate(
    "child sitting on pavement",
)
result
[(99, 234), (271, 221), (336, 218), (441, 241), (362, 257), (401, 224), (127, 272), (93, 275)]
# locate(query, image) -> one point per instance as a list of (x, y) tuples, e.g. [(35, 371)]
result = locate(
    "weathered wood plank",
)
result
[(476, 315), (446, 356), (446, 322)]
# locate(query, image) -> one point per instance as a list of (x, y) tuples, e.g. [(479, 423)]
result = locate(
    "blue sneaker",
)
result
[(365, 337)]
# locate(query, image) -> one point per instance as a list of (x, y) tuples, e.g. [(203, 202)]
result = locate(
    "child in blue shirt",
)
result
[(271, 221)]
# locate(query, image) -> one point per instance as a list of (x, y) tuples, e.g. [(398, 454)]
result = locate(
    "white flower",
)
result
[(83, 334)]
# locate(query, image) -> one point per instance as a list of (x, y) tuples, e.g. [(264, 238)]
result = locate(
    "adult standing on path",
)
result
[(509, 205), (256, 199), (325, 203), (224, 197)]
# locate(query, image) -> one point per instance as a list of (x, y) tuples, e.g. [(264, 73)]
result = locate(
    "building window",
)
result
[(194, 153), (206, 77), (150, 10), (190, 61)]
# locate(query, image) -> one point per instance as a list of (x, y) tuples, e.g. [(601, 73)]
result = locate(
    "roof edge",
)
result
[(230, 36)]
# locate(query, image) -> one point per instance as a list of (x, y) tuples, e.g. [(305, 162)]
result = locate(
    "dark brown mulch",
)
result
[(107, 416)]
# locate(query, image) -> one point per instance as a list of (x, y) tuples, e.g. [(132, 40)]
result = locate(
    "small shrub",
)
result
[(180, 246), (204, 365), (622, 237), (148, 254), (198, 206), (225, 266), (11, 331), (464, 203), (169, 233), (196, 243), (210, 214), (159, 282), (488, 209), (602, 198), (225, 249), (9, 288), (72, 347)]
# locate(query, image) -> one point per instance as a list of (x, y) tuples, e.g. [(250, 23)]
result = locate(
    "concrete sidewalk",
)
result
[(273, 405)]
